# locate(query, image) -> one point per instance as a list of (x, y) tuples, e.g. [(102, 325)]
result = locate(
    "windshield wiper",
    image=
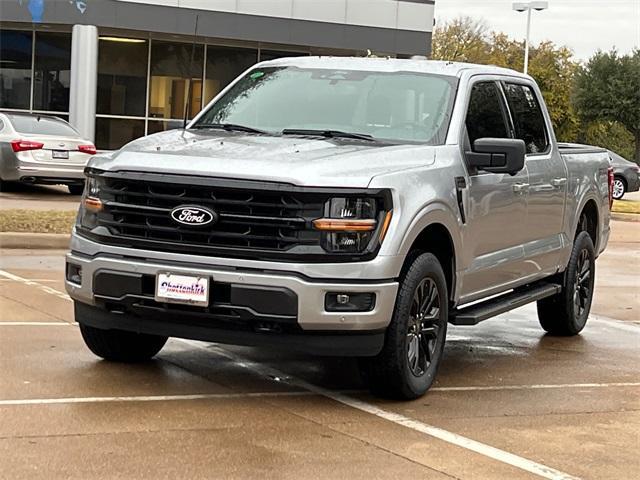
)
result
[(231, 127), (328, 134)]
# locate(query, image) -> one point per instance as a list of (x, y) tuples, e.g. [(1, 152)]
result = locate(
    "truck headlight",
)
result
[(350, 224), (90, 204)]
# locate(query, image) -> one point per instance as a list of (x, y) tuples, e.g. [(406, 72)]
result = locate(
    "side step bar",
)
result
[(479, 312)]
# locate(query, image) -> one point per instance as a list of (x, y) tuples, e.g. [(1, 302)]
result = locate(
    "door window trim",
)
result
[(506, 116)]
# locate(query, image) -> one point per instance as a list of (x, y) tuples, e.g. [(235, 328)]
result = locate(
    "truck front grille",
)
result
[(249, 219)]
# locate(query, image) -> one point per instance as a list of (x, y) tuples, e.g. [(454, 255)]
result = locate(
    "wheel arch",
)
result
[(589, 220), (436, 232)]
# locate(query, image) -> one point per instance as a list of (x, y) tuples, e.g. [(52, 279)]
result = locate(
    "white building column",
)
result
[(83, 90)]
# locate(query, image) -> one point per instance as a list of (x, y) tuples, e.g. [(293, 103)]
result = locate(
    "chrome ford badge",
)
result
[(193, 215)]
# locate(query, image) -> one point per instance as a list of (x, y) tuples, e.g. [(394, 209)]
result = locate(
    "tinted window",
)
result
[(527, 117), (485, 117), (41, 125), (52, 73), (15, 68), (122, 76), (400, 106)]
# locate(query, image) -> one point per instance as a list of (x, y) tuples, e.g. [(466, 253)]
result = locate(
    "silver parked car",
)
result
[(626, 175), (42, 149)]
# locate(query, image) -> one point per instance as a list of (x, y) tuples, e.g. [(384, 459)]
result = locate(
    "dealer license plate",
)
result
[(187, 289)]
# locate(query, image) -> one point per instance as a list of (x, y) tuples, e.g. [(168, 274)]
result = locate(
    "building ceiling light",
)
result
[(123, 39)]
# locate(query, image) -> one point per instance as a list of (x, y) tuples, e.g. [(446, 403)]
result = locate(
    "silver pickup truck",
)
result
[(342, 206)]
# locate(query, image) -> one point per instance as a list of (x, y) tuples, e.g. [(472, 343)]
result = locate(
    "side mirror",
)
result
[(497, 155)]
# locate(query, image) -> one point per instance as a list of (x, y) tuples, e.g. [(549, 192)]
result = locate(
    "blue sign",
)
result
[(37, 7)]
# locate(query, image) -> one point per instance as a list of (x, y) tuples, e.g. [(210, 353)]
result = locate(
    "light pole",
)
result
[(527, 7)]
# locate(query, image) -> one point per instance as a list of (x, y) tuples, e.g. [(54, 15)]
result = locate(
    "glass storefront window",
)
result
[(122, 76), (156, 126), (52, 71), (113, 133), (273, 54), (15, 68), (224, 64), (169, 79)]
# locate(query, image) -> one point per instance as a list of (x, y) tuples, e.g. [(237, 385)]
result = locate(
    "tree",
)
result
[(610, 135), (464, 39), (608, 89), (460, 40)]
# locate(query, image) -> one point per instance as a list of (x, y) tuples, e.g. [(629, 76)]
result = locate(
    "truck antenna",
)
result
[(187, 106)]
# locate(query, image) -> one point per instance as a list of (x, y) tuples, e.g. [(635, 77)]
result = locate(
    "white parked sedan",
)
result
[(42, 149)]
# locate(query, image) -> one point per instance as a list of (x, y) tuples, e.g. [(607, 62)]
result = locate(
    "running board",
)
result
[(479, 312)]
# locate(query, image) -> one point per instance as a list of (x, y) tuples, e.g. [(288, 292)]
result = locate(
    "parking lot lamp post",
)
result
[(527, 7)]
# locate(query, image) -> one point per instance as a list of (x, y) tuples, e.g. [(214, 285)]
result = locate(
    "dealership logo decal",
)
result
[(193, 215)]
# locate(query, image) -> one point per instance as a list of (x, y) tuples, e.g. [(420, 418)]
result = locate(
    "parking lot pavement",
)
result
[(510, 402), (37, 197)]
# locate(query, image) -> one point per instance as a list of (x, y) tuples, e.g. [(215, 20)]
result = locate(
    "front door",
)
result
[(495, 230)]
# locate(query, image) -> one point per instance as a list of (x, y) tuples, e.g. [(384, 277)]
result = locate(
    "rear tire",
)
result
[(121, 346), (566, 313), (414, 343), (75, 189)]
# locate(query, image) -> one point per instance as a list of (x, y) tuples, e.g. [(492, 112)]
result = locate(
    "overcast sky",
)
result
[(583, 25)]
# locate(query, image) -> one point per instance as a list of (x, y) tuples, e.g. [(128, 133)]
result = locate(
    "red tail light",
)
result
[(24, 145), (89, 149), (611, 181)]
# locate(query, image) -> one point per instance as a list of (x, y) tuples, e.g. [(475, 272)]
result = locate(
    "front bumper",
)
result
[(308, 326)]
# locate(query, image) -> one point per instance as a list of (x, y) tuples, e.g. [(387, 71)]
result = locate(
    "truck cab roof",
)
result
[(384, 64)]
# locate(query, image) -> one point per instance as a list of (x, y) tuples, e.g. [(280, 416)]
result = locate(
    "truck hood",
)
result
[(300, 161)]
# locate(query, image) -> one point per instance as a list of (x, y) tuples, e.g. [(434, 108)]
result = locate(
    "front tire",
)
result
[(121, 346), (619, 188), (414, 343), (566, 313)]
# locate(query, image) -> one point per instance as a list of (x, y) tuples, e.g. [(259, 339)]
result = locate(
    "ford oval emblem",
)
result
[(193, 215)]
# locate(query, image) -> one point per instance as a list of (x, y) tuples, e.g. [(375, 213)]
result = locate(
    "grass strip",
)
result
[(37, 221), (626, 206)]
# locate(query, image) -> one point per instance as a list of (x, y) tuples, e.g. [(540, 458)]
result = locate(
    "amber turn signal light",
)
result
[(337, 225), (93, 204), (385, 225)]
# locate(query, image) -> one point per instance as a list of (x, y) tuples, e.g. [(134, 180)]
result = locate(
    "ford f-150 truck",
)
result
[(342, 206)]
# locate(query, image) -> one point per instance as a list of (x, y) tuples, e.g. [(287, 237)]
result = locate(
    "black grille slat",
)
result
[(208, 201)]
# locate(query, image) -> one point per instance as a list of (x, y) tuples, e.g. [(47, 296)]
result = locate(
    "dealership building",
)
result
[(120, 69)]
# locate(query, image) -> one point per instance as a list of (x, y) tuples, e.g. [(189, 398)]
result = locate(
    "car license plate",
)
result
[(60, 154), (188, 289)]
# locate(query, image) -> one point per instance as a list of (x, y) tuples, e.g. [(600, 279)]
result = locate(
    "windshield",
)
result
[(398, 106), (41, 125)]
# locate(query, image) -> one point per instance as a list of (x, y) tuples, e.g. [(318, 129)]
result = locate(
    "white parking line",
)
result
[(32, 283), (150, 398), (444, 435), (36, 324), (545, 386)]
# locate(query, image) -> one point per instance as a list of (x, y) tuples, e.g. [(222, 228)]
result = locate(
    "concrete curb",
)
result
[(52, 241), (625, 217)]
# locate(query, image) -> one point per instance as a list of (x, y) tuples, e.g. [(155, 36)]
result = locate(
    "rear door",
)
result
[(494, 233), (547, 179)]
